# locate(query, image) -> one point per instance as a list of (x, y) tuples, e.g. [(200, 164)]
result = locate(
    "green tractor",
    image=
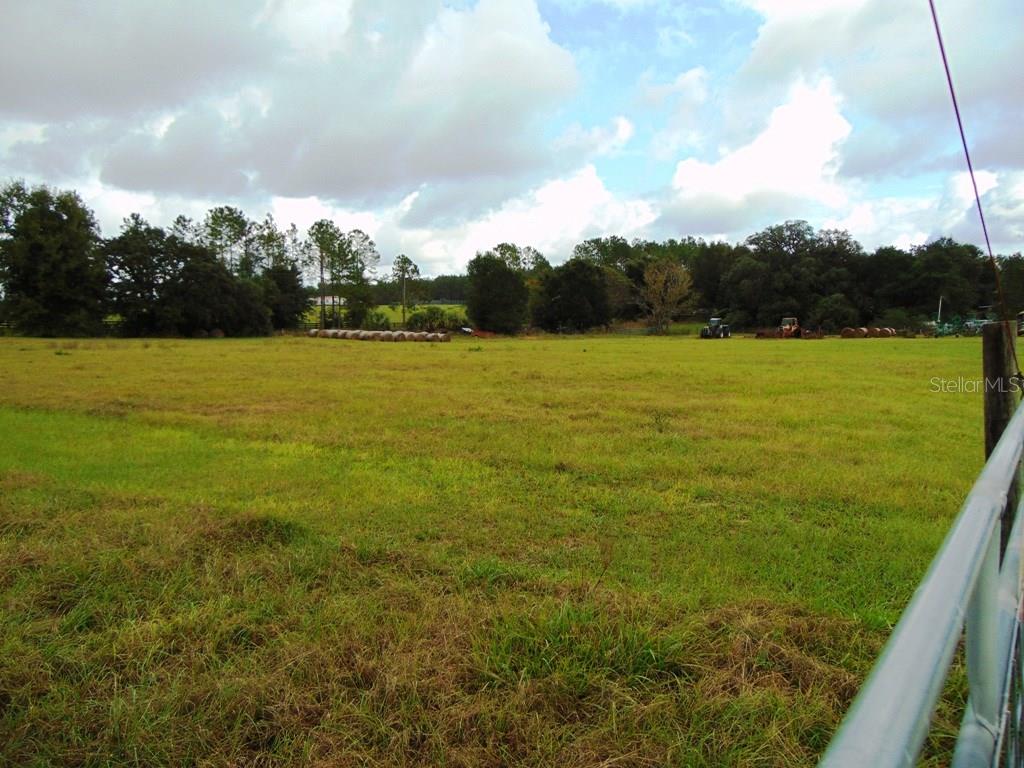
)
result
[(715, 329)]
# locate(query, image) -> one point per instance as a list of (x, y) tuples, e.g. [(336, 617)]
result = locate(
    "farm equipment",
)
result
[(790, 328), (715, 329)]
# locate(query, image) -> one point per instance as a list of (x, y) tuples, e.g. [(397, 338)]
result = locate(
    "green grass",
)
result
[(580, 551)]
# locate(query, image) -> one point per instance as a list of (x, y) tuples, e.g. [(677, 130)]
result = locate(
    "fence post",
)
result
[(999, 341)]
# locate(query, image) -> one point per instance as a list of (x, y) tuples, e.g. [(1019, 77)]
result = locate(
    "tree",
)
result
[(497, 296), (359, 257), (141, 263), (324, 250), (665, 292), (204, 296), (572, 297), (833, 312), (51, 265), (284, 294), (228, 232), (404, 270), (527, 259)]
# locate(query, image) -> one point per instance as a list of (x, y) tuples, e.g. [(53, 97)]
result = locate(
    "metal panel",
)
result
[(889, 720)]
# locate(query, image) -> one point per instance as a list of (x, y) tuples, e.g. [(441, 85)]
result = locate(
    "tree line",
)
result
[(226, 273)]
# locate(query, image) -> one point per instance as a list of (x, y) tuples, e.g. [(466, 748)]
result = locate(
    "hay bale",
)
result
[(375, 335), (445, 337), (399, 336), (332, 333), (848, 333), (312, 333), (387, 336), (421, 336), (873, 333), (433, 337)]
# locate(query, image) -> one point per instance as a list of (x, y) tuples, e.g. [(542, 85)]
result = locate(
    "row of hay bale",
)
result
[(379, 335), (868, 333)]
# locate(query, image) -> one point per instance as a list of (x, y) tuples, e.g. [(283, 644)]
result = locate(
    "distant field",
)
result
[(622, 551), (394, 314)]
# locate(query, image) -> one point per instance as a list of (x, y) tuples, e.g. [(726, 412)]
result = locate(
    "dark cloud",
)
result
[(64, 59)]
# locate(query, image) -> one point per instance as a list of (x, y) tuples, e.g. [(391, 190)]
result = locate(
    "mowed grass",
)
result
[(587, 551)]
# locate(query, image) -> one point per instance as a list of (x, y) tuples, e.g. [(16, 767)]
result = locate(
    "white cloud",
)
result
[(599, 140), (884, 59), (793, 159), (689, 88), (949, 212), (552, 218), (313, 28)]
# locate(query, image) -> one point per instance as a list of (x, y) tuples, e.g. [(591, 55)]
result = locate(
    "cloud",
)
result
[(682, 98), (949, 212), (358, 102), (599, 140), (885, 62), (64, 60), (791, 165), (553, 217)]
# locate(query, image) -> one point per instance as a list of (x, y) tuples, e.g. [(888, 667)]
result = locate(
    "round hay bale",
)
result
[(848, 333), (421, 336), (312, 333), (354, 335), (445, 337), (433, 337), (893, 332), (322, 334), (873, 333), (332, 333), (387, 336), (375, 335), (400, 336)]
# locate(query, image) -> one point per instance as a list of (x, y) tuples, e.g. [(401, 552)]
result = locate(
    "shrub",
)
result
[(433, 319), (375, 320)]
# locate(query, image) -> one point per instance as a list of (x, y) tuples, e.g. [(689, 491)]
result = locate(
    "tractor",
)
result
[(715, 329), (790, 328)]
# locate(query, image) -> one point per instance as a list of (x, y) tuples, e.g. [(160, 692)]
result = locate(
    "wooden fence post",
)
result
[(999, 341)]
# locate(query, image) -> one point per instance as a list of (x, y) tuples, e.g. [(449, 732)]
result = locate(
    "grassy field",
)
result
[(585, 551)]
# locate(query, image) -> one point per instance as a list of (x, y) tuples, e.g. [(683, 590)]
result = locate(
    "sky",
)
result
[(442, 128)]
